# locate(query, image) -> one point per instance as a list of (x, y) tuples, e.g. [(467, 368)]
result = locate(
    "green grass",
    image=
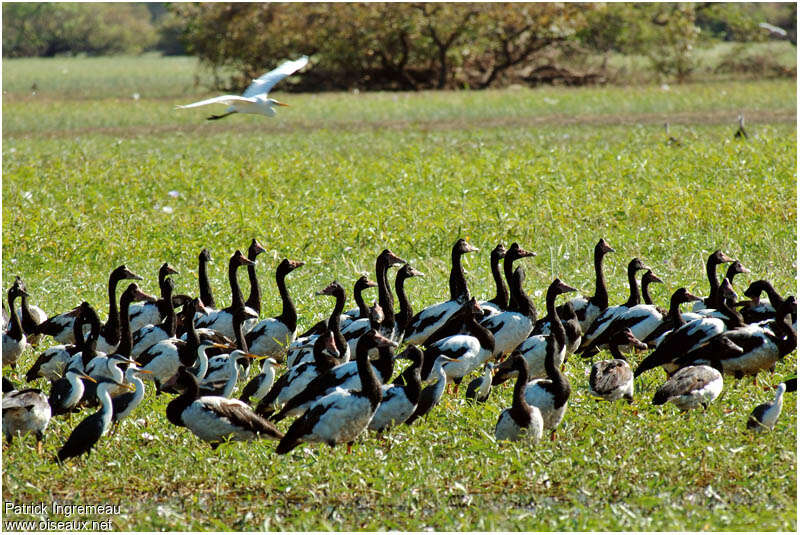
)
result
[(338, 177)]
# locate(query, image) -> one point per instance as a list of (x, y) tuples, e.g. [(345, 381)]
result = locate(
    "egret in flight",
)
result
[(255, 98)]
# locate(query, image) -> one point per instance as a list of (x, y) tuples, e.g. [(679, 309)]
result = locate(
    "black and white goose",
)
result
[(716, 310), (716, 258), (572, 326), (30, 316), (550, 395), (91, 429), (641, 319), (499, 302), (111, 330), (398, 402), (60, 326), (684, 337), (300, 353), (51, 362), (690, 387), (164, 358), (208, 305), (404, 315), (480, 388), (763, 346), (673, 318), (344, 376), (222, 320), (149, 335), (341, 416), (25, 411), (608, 317), (14, 340), (296, 379), (270, 337), (521, 420), (254, 298), (647, 279), (106, 366), (512, 326), (153, 312), (534, 349), (426, 321), (586, 308), (754, 310), (215, 419), (762, 419), (468, 351), (388, 325), (613, 379), (432, 394), (361, 310)]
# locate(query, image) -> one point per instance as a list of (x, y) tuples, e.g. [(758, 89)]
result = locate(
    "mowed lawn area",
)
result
[(99, 169)]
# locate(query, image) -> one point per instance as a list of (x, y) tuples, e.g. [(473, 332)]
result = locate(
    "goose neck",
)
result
[(385, 297), (600, 298), (633, 297), (289, 313), (458, 280), (404, 315), (254, 299), (370, 385), (205, 286), (16, 325), (236, 292), (502, 295)]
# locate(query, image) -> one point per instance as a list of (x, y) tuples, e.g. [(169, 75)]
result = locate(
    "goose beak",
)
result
[(371, 284), (257, 247)]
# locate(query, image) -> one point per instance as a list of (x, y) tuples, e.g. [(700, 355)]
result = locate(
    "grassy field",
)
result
[(333, 180)]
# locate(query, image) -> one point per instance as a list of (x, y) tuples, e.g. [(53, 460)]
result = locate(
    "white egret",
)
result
[(255, 98)]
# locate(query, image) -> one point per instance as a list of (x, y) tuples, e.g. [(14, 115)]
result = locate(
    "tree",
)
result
[(379, 45), (47, 29)]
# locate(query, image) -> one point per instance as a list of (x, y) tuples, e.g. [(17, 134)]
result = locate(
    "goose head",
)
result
[(122, 272), (625, 337), (254, 250), (363, 283), (650, 277), (603, 247)]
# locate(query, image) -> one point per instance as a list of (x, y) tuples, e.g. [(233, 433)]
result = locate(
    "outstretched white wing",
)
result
[(264, 83), (222, 99)]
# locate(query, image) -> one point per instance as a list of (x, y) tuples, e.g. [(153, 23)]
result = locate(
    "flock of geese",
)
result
[(337, 379)]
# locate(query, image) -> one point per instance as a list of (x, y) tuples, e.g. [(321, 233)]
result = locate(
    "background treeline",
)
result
[(411, 46)]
